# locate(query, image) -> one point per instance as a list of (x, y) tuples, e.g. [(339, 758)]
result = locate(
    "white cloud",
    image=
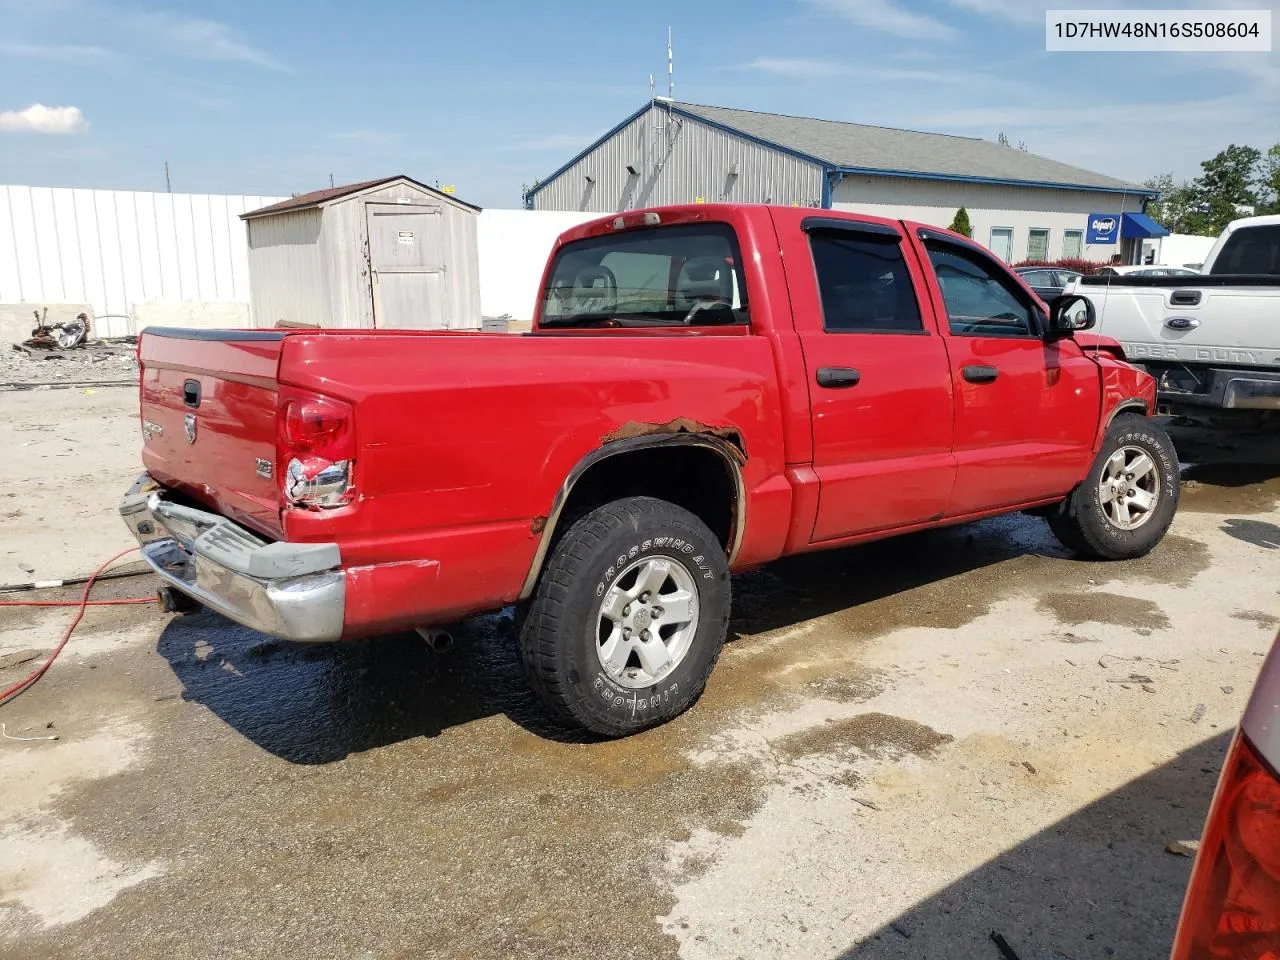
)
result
[(888, 17), (1018, 11), (798, 68), (203, 40), (68, 54), (38, 118), (802, 68)]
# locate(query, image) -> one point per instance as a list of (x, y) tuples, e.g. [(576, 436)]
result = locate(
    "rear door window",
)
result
[(864, 283), (663, 276)]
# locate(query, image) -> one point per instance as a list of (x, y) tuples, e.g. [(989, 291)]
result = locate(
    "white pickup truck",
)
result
[(1212, 341)]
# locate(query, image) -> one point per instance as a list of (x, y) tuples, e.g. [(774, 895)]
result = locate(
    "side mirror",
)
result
[(1070, 313)]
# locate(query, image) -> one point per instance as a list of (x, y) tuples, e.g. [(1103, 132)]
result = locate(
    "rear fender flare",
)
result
[(728, 452)]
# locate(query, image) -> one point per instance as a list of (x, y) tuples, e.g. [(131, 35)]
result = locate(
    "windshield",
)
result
[(665, 276)]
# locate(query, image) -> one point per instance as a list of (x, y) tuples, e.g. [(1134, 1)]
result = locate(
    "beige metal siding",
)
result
[(288, 279), (1020, 209), (679, 160)]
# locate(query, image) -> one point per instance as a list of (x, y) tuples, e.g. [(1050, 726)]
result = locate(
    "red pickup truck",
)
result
[(705, 389)]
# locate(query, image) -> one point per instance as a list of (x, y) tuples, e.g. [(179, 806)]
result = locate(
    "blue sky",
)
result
[(271, 97)]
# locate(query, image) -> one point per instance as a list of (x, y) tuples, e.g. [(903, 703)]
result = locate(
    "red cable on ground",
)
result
[(23, 685)]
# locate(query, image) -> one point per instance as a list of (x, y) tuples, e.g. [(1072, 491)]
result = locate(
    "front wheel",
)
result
[(628, 618), (1125, 505)]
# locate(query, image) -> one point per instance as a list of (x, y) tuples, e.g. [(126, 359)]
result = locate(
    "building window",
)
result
[(1072, 244), (1002, 243), (1038, 244)]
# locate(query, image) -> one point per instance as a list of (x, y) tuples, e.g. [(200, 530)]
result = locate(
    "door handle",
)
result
[(979, 373), (836, 377)]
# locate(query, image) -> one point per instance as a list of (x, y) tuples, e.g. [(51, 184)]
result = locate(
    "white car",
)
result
[(1146, 270), (1232, 908)]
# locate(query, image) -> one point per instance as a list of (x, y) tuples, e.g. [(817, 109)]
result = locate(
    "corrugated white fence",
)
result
[(116, 250), (113, 249), (514, 245)]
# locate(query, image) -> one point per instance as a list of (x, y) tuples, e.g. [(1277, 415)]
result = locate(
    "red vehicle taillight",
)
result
[(316, 448), (1232, 910)]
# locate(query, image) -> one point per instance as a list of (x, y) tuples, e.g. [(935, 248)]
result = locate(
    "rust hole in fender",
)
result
[(635, 428), (537, 524)]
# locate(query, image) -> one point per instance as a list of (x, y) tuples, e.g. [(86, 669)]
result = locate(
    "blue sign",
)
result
[(1104, 228)]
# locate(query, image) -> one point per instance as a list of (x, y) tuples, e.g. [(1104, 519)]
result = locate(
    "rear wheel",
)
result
[(1127, 502), (628, 618)]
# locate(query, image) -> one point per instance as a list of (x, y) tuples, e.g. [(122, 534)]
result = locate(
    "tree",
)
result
[(1269, 190), (1230, 180), (960, 223), (1177, 206)]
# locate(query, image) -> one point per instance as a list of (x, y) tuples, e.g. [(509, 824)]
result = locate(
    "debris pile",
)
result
[(62, 354)]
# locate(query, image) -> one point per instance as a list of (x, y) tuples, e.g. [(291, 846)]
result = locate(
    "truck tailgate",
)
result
[(209, 402), (1194, 321)]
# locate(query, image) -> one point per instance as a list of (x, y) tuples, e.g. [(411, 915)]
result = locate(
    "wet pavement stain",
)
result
[(1099, 606), (873, 734), (1264, 620), (1230, 488)]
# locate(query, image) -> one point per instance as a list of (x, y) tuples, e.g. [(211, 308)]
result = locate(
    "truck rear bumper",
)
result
[(295, 591), (1224, 388)]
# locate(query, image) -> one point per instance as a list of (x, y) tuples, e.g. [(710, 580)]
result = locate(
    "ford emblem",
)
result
[(189, 427)]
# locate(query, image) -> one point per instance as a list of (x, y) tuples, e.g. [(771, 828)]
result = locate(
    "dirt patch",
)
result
[(1264, 620), (1176, 561), (1102, 607), (874, 734), (845, 689)]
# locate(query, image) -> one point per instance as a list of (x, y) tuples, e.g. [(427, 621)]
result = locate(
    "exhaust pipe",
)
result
[(437, 639)]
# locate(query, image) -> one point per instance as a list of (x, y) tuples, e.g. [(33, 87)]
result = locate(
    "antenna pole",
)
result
[(671, 82), (167, 186)]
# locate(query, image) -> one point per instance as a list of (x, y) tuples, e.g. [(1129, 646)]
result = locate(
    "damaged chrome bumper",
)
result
[(295, 591)]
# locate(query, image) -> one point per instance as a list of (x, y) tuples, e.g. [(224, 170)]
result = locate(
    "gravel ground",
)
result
[(97, 361), (906, 746)]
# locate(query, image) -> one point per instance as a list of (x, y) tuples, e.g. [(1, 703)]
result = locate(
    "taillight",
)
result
[(317, 447), (1232, 910)]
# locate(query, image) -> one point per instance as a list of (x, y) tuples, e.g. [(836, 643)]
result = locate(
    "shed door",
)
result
[(406, 257)]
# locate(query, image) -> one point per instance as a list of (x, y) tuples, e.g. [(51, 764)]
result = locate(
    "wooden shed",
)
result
[(384, 253)]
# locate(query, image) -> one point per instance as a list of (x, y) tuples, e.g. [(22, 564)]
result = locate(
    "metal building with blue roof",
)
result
[(1021, 205)]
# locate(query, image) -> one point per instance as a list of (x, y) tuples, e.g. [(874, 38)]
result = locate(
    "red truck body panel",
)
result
[(466, 440)]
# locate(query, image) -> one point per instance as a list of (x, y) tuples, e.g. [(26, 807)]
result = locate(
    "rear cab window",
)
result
[(1249, 250), (673, 276)]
